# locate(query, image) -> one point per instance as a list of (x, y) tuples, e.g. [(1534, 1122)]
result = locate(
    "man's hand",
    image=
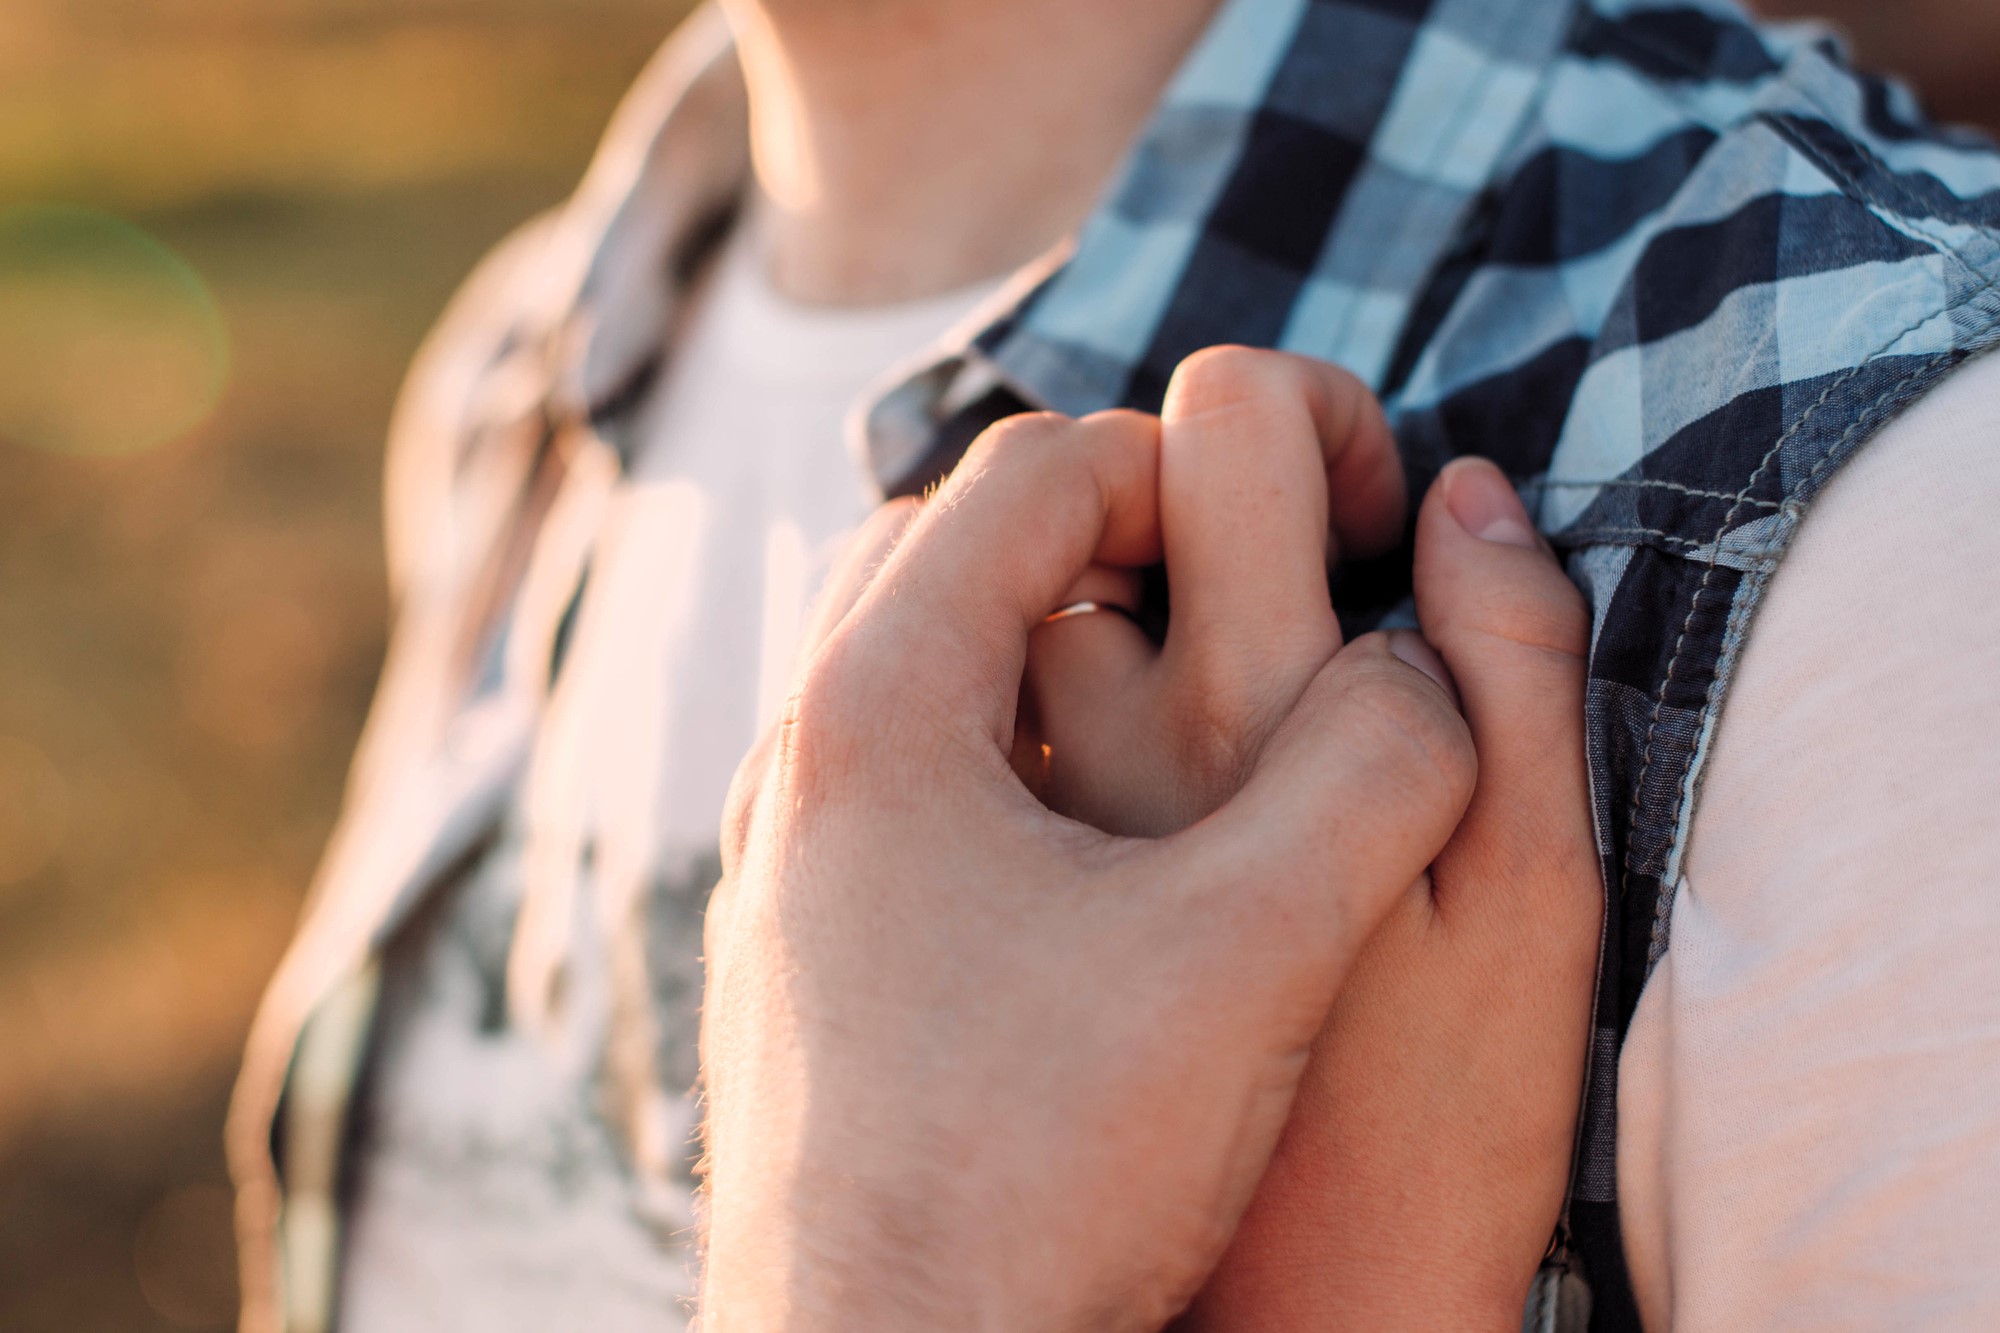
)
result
[(971, 1064)]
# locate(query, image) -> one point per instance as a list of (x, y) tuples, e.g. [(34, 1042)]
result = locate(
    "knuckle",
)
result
[(1120, 421), (1227, 376), (1039, 451), (1024, 433), (819, 736), (1413, 738), (1120, 436), (1549, 618)]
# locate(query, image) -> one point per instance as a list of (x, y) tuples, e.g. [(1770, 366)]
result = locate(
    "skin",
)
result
[(1422, 1171), (895, 1140), (1425, 1163), (911, 147), (972, 1063)]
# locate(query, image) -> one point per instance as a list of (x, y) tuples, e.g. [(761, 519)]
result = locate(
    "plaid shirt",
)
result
[(1671, 269)]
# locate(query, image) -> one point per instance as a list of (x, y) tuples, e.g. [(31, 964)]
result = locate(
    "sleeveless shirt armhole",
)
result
[(1807, 1120)]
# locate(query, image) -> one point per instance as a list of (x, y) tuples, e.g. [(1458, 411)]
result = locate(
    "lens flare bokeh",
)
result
[(110, 343)]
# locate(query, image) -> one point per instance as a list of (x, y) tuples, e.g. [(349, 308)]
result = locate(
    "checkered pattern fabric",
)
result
[(1669, 267)]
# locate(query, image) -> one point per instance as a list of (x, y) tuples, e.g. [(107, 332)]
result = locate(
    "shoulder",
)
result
[(450, 385), (1809, 1083), (1718, 259), (1864, 710), (1795, 256), (570, 299)]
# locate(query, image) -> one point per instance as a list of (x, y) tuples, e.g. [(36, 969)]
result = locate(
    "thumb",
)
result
[(1347, 804), (1515, 632)]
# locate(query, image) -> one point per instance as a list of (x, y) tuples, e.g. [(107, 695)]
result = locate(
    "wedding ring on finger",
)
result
[(1075, 609)]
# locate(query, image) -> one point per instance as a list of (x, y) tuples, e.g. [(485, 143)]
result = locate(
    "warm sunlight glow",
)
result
[(111, 343)]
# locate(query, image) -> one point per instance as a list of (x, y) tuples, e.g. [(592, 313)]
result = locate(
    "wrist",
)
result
[(1312, 1284), (793, 1253)]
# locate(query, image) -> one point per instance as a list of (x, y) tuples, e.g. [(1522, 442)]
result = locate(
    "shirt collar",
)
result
[(671, 170), (1310, 165)]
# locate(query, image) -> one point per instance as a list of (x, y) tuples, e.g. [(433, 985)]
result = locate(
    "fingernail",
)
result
[(1482, 500), (1415, 651)]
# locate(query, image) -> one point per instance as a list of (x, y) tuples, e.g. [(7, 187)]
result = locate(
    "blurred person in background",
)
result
[(1670, 269)]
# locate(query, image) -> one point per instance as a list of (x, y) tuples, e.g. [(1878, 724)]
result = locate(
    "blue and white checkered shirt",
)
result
[(1668, 267)]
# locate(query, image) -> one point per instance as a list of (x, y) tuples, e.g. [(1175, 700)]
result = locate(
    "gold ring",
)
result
[(1090, 608)]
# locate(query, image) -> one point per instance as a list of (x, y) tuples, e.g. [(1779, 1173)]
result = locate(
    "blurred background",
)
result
[(224, 227)]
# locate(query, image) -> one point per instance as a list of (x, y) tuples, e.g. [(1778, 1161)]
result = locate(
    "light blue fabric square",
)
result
[(1453, 111), (1114, 292)]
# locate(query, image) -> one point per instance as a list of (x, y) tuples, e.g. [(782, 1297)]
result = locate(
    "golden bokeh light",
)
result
[(34, 811), (110, 343), (253, 668), (183, 1260)]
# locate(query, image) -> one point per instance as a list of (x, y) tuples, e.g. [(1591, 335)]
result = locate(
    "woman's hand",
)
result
[(1271, 468), (1420, 1180), (1421, 1176), (969, 1063)]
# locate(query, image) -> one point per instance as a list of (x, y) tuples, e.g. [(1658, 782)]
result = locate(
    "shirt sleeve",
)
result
[(435, 511), (1809, 1113), (428, 427)]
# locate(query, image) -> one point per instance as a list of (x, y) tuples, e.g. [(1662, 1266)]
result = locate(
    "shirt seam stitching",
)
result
[(1656, 948)]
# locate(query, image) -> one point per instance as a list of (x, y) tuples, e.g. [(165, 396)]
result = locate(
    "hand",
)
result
[(971, 1064), (1420, 1178), (1272, 467)]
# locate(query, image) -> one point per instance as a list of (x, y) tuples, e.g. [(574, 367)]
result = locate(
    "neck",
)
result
[(911, 147)]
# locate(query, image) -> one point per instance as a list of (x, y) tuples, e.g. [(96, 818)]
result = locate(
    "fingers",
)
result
[(866, 552), (861, 560), (1035, 502), (1366, 498), (1086, 746), (1085, 678), (1350, 801), (1514, 631), (1259, 452), (1412, 648)]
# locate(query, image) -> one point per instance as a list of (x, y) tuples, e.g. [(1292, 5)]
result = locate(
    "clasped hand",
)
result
[(1062, 980)]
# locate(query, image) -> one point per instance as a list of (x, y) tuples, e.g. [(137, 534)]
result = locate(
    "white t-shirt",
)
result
[(492, 1191)]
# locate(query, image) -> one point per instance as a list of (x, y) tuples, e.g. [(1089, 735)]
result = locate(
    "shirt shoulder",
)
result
[(1717, 261), (449, 384)]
